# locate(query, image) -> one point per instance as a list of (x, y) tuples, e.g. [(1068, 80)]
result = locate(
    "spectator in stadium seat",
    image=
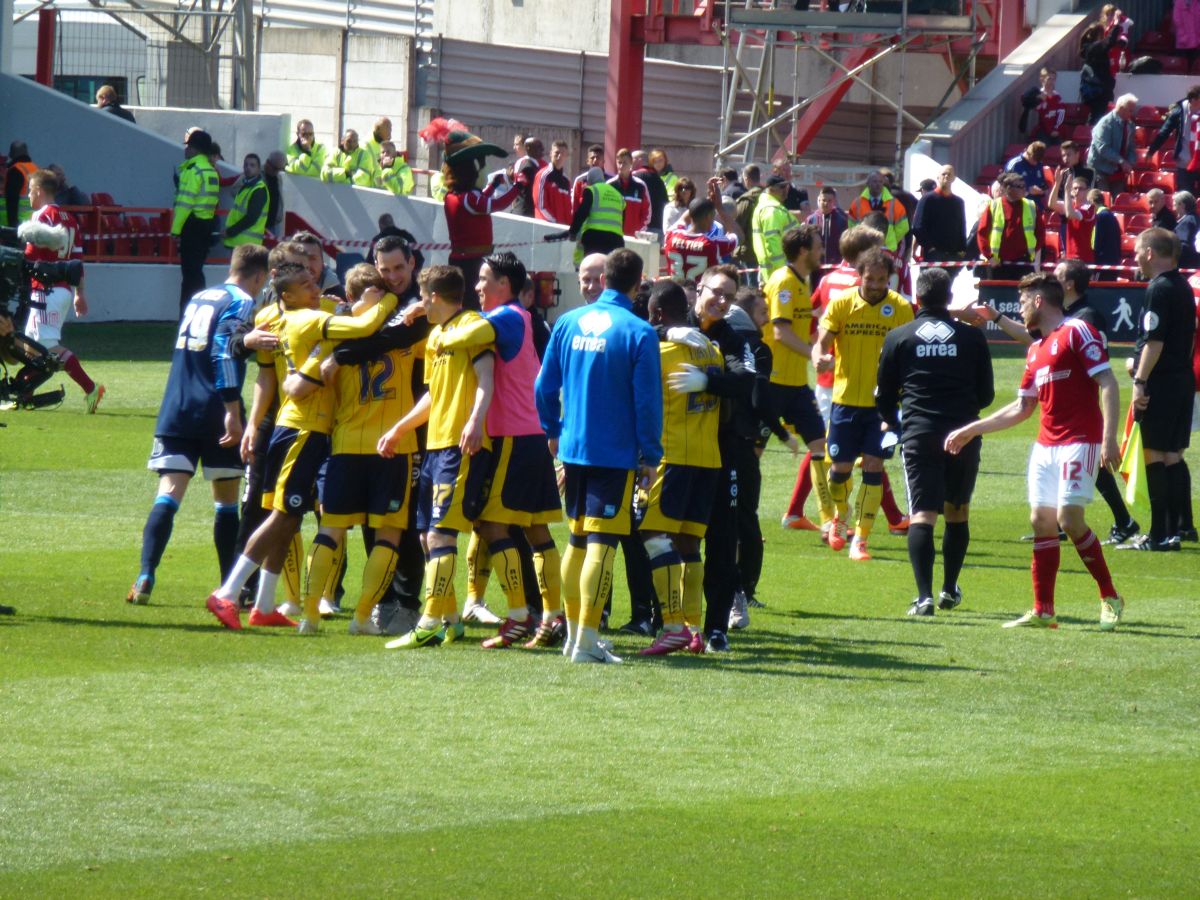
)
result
[(1160, 209), (1113, 151), (394, 172), (1186, 227), (831, 222), (1071, 159), (940, 222), (655, 185), (1096, 81), (1029, 166), (1012, 231), (681, 197), (67, 194), (1106, 242), (351, 164), (1183, 121), (1046, 104), (107, 99)]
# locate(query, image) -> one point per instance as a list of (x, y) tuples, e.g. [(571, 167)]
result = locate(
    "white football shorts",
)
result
[(45, 325), (1063, 475)]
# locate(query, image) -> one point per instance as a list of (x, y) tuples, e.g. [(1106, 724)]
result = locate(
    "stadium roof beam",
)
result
[(847, 23)]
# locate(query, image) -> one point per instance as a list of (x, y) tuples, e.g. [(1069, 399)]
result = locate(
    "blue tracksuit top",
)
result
[(605, 361)]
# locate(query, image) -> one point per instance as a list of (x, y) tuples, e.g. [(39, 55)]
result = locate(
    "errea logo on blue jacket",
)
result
[(593, 324)]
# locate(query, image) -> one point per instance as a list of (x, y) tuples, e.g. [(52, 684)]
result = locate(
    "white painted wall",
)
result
[(238, 133), (302, 76), (558, 24)]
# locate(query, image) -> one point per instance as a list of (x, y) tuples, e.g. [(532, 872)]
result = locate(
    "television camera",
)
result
[(33, 363)]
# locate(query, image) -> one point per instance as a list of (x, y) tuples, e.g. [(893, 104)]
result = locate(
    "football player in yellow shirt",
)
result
[(457, 465), (789, 305), (296, 453), (360, 487), (855, 323), (679, 501)]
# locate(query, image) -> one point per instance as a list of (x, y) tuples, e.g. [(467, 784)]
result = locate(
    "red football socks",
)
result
[(71, 364), (802, 489), (1089, 550), (1045, 571)]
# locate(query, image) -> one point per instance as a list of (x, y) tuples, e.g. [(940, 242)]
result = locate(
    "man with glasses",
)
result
[(1012, 232), (735, 386)]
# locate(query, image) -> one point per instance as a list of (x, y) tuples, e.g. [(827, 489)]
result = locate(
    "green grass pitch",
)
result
[(840, 750)]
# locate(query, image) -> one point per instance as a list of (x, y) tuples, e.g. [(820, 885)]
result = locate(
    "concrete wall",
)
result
[(137, 293), (238, 133), (575, 25), (104, 153), (303, 76)]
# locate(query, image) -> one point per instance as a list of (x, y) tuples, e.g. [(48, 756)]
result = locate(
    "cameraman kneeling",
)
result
[(52, 302)]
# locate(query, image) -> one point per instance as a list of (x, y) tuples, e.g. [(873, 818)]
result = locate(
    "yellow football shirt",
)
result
[(690, 420), (306, 338), (450, 374), (371, 397), (789, 299), (270, 318), (859, 329)]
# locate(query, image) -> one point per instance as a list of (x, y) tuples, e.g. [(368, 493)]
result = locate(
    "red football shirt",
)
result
[(690, 254), (843, 278), (53, 216), (1050, 113), (1058, 372), (1080, 233)]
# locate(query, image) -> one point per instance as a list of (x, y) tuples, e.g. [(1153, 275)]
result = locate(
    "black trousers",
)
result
[(720, 543), (194, 241), (253, 513), (749, 533)]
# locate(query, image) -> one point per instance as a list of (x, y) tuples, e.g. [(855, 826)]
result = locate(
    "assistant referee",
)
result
[(940, 371), (1164, 385)]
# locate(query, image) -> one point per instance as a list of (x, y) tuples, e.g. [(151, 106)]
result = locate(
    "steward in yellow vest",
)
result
[(247, 221)]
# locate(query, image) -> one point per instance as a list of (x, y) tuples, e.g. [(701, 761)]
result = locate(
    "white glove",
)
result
[(682, 334), (687, 379)]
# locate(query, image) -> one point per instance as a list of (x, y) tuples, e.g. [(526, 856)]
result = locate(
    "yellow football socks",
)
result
[(693, 590), (572, 570), (870, 492), (377, 578), (548, 566), (506, 561), (479, 568), (818, 466), (293, 569), (321, 557), (595, 582), (439, 583)]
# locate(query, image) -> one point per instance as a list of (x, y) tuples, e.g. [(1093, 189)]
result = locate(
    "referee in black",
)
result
[(940, 370), (1164, 386)]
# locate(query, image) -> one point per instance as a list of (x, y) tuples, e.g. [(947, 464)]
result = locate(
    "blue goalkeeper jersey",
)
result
[(204, 376)]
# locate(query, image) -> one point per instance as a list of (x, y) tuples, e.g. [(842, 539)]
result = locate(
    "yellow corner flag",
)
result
[(1133, 470)]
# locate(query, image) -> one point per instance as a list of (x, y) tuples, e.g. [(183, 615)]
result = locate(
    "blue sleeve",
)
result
[(227, 371), (548, 384), (510, 331), (647, 396)]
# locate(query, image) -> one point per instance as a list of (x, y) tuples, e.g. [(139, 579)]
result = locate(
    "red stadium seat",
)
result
[(103, 200), (989, 173), (1155, 42), (1053, 156), (1149, 116), (1136, 223), (1174, 65), (141, 246), (1127, 242), (1012, 150), (117, 234), (1075, 114), (1162, 180), (1131, 203), (1120, 217), (1146, 161), (1082, 134), (1053, 220)]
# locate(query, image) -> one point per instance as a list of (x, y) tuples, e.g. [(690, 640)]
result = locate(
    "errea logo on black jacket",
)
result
[(934, 335)]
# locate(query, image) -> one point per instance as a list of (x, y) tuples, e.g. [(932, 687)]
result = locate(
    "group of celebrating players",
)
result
[(634, 402)]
